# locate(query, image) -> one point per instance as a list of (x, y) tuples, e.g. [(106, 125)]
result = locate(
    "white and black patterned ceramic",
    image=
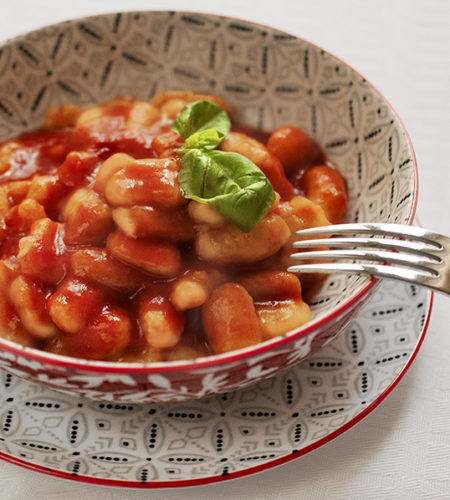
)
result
[(269, 78), (224, 436)]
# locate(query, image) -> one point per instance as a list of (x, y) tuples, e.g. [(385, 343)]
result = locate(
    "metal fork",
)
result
[(407, 253)]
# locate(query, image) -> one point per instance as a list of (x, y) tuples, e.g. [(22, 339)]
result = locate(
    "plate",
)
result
[(225, 436)]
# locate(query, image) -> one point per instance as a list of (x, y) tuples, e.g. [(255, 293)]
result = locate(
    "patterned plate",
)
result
[(225, 436)]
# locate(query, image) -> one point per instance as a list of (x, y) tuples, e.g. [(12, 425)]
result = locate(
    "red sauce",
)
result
[(79, 241)]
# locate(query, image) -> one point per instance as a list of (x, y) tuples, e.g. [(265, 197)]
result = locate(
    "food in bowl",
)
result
[(270, 79), (149, 231)]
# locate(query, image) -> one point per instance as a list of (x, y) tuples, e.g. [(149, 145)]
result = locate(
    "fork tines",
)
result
[(407, 253)]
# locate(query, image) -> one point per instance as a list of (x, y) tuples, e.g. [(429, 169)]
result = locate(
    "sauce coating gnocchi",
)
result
[(102, 257)]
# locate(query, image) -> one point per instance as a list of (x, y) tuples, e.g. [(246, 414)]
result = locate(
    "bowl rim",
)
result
[(239, 354)]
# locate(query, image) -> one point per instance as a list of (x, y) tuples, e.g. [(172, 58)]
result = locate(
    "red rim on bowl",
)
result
[(241, 354)]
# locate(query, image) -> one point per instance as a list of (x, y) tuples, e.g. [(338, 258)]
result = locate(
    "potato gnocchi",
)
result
[(102, 257)]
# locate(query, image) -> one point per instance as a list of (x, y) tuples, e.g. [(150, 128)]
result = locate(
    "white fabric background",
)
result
[(401, 450)]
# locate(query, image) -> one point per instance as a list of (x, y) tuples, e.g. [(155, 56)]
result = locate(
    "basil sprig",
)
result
[(229, 182)]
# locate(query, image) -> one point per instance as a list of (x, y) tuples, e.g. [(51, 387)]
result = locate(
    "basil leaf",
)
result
[(201, 115), (206, 139), (230, 183)]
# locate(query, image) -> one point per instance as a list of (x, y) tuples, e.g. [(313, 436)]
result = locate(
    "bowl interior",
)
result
[(268, 77)]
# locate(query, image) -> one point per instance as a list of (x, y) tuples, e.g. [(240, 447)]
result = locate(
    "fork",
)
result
[(406, 253)]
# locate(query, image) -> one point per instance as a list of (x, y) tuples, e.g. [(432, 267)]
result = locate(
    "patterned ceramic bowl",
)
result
[(270, 78)]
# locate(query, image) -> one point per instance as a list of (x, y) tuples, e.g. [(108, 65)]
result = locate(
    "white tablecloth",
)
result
[(402, 449)]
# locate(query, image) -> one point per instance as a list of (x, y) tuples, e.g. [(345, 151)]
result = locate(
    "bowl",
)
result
[(269, 78)]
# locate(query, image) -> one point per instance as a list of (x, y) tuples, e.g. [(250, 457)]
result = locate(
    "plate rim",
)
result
[(251, 470)]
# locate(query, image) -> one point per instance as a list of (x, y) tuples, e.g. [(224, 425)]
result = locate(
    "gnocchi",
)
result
[(103, 257)]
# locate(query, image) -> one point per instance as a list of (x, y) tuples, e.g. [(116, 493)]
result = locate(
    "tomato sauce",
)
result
[(101, 257)]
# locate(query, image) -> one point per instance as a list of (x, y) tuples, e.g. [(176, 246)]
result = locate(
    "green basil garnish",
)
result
[(201, 115), (206, 139), (230, 183)]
